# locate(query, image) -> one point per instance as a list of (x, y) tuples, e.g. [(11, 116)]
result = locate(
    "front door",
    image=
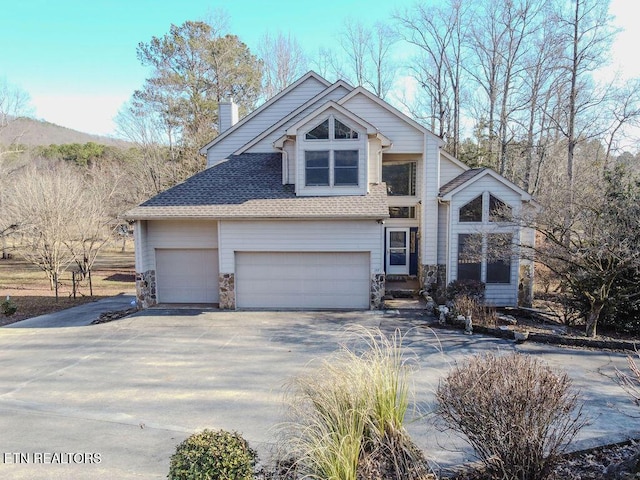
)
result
[(397, 261)]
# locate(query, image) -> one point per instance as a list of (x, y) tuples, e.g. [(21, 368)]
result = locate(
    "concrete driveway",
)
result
[(122, 395)]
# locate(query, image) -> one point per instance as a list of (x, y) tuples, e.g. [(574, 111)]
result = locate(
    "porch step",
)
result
[(402, 293), (402, 286)]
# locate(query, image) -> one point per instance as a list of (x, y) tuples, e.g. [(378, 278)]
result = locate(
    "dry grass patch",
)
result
[(29, 289)]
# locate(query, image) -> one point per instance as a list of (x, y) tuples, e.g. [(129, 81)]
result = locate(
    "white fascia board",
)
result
[(371, 130), (391, 109), (526, 197)]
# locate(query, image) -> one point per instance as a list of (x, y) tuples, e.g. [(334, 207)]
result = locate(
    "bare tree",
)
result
[(155, 167), (283, 62), (14, 103), (383, 69), (599, 248), (623, 111), (368, 56), (587, 35), (355, 40), (437, 32), (63, 217), (42, 204)]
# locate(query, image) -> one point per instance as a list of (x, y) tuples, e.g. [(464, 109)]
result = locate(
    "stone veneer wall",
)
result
[(378, 281), (433, 275), (146, 289), (227, 291), (525, 286)]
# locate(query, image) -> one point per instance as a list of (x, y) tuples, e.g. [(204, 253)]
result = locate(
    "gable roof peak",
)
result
[(310, 74)]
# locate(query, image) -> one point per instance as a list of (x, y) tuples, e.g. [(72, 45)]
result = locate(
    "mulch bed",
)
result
[(611, 462)]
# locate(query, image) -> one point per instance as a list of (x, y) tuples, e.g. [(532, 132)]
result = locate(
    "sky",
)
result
[(77, 58)]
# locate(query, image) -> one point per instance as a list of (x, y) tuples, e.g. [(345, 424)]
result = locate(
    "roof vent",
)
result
[(227, 115)]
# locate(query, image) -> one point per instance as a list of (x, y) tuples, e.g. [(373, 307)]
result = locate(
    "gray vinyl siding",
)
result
[(496, 294), (405, 138), (443, 232), (266, 144), (263, 120), (448, 170), (300, 236), (430, 179), (174, 234)]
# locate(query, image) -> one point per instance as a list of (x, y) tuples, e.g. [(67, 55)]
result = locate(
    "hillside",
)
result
[(31, 132)]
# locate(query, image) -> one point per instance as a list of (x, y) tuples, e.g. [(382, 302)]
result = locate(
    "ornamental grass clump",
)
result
[(515, 411), (218, 455), (348, 414)]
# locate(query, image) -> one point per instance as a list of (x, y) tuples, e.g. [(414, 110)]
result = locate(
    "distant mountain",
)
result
[(32, 132)]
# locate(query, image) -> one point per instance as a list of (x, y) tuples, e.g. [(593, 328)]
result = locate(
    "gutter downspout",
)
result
[(285, 163)]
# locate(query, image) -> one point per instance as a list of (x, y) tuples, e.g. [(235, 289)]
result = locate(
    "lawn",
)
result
[(29, 289)]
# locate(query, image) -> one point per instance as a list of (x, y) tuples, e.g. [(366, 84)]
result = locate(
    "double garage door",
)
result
[(267, 279), (302, 279)]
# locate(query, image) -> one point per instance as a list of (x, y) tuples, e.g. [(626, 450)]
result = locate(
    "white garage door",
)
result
[(187, 275), (302, 280)]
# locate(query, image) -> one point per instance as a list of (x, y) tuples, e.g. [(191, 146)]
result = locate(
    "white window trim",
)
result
[(332, 168), (332, 131), (486, 206)]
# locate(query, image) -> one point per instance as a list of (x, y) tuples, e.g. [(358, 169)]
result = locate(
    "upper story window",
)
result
[(332, 155), (498, 210), (343, 132), (474, 211), (400, 178), (345, 166), (321, 132), (331, 167), (331, 129), (317, 167)]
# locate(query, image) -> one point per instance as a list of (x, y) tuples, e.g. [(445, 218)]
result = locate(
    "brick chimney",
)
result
[(227, 115)]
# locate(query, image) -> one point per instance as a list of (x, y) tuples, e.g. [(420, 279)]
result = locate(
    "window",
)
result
[(345, 165), (321, 132), (400, 178), (499, 258), (331, 167), (402, 212), (342, 131), (498, 210), (317, 167), (469, 256), (332, 128), (495, 254), (338, 163), (472, 211)]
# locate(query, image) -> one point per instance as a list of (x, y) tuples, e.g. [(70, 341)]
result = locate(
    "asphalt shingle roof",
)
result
[(250, 186), (459, 180)]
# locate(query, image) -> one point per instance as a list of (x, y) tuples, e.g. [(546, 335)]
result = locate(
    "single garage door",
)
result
[(187, 275), (302, 279)]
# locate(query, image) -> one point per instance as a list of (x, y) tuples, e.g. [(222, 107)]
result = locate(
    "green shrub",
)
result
[(516, 412), (8, 308), (219, 455), (348, 414)]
